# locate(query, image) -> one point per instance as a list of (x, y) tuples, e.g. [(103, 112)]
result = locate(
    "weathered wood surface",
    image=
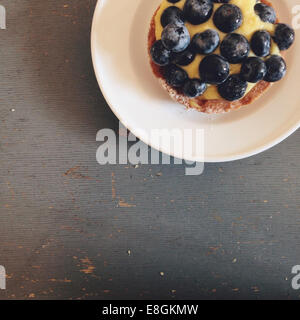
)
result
[(72, 229)]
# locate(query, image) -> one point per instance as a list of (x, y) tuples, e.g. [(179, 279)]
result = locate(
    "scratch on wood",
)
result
[(60, 280), (121, 203), (124, 204), (73, 173), (213, 250), (88, 267)]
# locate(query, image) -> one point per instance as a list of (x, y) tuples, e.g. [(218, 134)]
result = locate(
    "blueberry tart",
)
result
[(217, 55)]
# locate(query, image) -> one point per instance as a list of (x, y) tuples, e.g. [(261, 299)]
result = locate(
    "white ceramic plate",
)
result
[(119, 51)]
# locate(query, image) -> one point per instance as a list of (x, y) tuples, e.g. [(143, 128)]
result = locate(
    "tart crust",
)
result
[(200, 104)]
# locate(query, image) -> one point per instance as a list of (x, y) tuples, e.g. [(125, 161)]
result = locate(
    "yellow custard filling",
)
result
[(251, 23)]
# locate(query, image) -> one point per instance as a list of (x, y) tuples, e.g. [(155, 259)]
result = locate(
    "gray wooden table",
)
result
[(72, 229)]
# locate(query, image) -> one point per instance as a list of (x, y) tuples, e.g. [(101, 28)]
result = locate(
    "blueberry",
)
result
[(228, 18), (175, 76), (175, 37), (235, 48), (253, 70), (205, 42), (173, 1), (183, 58), (214, 69), (284, 36), (221, 1), (160, 55), (198, 11), (233, 88), (261, 43), (171, 14), (265, 12), (276, 69), (194, 88)]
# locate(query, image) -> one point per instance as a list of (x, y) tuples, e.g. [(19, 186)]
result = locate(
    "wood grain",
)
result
[(72, 229)]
